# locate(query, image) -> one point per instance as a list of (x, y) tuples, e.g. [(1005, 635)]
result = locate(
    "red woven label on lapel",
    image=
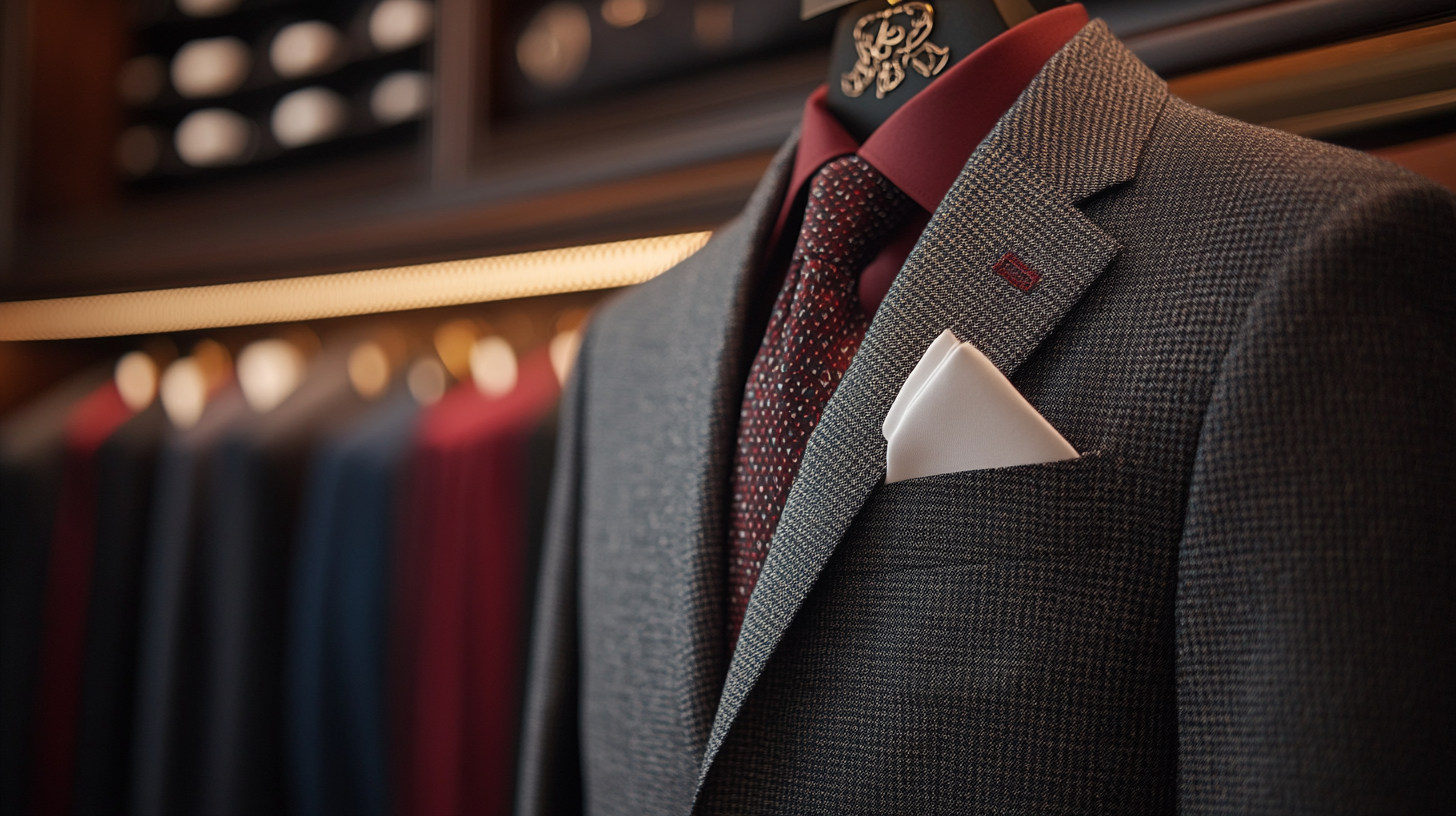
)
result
[(1016, 272)]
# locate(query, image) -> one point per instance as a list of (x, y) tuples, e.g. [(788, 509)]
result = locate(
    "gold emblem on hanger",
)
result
[(886, 50)]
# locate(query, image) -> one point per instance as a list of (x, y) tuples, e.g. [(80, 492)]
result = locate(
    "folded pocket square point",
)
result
[(958, 412), (940, 348)]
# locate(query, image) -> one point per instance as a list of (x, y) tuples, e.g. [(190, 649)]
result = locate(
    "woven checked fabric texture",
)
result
[(661, 656), (1239, 600), (813, 332)]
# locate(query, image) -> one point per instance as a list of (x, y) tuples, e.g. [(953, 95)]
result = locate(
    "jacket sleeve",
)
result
[(1316, 606), (549, 775)]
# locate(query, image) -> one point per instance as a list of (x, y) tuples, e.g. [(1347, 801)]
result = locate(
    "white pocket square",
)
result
[(957, 411)]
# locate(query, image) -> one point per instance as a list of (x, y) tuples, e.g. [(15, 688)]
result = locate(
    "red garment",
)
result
[(814, 331), (458, 622), (68, 589), (925, 144)]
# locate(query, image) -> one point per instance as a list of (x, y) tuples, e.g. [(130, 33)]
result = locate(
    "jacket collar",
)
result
[(924, 145), (1077, 129)]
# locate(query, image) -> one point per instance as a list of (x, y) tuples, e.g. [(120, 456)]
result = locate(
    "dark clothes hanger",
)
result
[(884, 54)]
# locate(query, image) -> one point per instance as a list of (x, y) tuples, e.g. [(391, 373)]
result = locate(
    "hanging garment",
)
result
[(166, 738), (458, 646), (1238, 599), (67, 599), (32, 451), (336, 712), (125, 476), (245, 554)]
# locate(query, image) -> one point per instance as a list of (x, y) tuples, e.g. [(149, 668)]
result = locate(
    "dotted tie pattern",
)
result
[(814, 331)]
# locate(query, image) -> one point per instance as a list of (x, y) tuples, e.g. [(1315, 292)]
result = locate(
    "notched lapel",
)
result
[(1077, 129), (1001, 268)]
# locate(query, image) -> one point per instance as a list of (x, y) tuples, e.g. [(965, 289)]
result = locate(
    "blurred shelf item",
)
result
[(569, 50), (400, 97), (212, 137), (141, 80), (212, 67), (574, 269), (398, 24), (299, 72), (305, 48), (207, 8), (138, 149), (308, 116)]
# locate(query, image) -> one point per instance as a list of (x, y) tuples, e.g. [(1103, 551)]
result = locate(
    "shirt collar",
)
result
[(924, 145)]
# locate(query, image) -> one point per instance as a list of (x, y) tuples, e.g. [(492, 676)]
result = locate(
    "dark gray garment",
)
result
[(244, 561), (165, 736), (1239, 600), (125, 476), (336, 712), (32, 446)]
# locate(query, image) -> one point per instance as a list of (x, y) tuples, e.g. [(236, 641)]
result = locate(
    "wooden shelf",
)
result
[(417, 225), (679, 157)]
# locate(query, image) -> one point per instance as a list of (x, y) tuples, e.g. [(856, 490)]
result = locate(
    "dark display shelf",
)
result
[(482, 176)]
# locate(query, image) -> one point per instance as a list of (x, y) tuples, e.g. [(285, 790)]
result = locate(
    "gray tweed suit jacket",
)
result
[(1239, 600)]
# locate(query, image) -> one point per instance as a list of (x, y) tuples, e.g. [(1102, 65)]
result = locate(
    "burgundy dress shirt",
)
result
[(924, 145)]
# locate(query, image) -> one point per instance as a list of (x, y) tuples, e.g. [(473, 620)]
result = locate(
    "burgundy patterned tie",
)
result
[(814, 330)]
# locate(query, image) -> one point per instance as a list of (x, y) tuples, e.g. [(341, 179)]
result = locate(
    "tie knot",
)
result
[(853, 209)]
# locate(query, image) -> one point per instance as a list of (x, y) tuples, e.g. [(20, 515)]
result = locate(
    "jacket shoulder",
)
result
[(714, 276), (1214, 152), (1228, 198), (658, 310)]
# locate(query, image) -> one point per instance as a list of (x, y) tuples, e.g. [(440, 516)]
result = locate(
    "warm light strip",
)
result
[(574, 269), (1329, 122)]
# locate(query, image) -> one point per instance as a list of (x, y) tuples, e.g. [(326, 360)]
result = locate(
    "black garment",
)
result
[(124, 480), (165, 735), (32, 446), (243, 581)]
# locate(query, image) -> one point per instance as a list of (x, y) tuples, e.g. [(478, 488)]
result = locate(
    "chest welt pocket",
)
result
[(1027, 512)]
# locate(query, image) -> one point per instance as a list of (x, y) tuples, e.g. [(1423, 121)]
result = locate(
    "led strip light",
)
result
[(527, 274)]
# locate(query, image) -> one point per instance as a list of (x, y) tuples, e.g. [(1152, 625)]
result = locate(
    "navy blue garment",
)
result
[(244, 566), (124, 480), (336, 709), (32, 446), (165, 736)]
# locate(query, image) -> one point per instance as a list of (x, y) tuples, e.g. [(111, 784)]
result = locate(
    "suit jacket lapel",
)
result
[(1076, 130)]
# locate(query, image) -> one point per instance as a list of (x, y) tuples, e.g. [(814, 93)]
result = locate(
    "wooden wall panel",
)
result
[(76, 47)]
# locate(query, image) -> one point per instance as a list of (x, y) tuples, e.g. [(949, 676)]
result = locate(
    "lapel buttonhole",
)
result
[(1016, 272)]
